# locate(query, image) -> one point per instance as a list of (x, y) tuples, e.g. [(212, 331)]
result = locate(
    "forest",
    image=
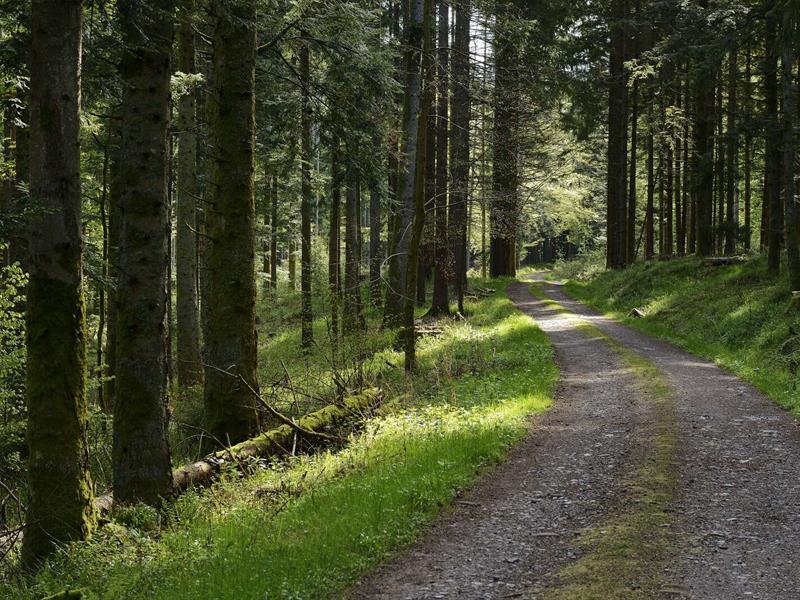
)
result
[(399, 298)]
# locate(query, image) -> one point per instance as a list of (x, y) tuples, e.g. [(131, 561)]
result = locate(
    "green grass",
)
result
[(738, 316), (309, 528)]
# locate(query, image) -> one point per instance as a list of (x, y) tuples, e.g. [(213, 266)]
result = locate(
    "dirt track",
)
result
[(728, 524)]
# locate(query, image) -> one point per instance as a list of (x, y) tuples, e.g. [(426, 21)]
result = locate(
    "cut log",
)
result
[(723, 261), (637, 313)]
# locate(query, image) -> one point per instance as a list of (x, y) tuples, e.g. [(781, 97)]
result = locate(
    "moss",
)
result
[(60, 507)]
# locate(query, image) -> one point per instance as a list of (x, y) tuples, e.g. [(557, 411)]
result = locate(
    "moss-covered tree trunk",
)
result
[(60, 506), (459, 152), (141, 453), (190, 367), (306, 312), (231, 341)]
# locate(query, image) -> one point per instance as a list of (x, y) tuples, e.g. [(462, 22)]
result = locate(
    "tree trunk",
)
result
[(190, 365), (616, 228), (141, 453), (353, 317), (630, 234), (334, 241), (273, 236), (459, 153), (732, 188), (60, 507), (772, 152), (719, 170), (440, 304), (503, 215), (748, 151), (788, 60), (422, 17), (375, 247), (231, 339), (398, 290), (703, 155), (650, 241), (306, 313), (678, 170)]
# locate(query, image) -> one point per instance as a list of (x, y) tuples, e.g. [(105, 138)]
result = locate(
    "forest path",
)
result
[(655, 475)]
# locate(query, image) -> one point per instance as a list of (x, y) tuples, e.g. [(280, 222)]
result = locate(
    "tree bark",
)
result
[(772, 152), (616, 227), (630, 234), (306, 311), (792, 219), (190, 364), (60, 507), (459, 152), (375, 247), (703, 155), (231, 339), (353, 317), (503, 217), (141, 453), (398, 290), (422, 17), (650, 237), (273, 236), (732, 181), (748, 150), (440, 304), (334, 241)]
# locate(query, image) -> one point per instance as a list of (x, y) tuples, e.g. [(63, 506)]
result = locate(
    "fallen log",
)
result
[(275, 442), (723, 261)]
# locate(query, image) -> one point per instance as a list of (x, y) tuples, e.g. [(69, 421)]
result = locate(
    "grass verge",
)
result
[(739, 316), (309, 528)]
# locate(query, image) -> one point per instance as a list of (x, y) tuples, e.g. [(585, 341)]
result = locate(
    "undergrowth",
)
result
[(309, 527), (738, 316)]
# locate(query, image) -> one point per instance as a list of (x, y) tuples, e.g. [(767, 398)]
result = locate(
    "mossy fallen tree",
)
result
[(276, 442)]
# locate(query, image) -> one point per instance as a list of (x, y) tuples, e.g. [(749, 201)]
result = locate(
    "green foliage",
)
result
[(12, 377), (739, 316), (309, 527), (583, 267)]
